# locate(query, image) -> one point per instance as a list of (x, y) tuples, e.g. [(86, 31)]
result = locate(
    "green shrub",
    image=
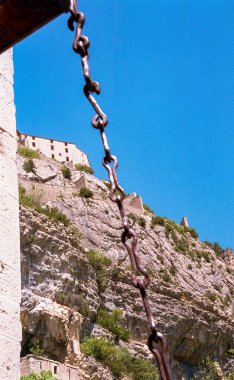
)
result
[(172, 226), (28, 239), (74, 230), (111, 320), (27, 200), (97, 259), (141, 221), (181, 230), (43, 375), (207, 256), (116, 273), (230, 376), (105, 352), (51, 212), (165, 276), (137, 219), (37, 350), (100, 263), (198, 254), (119, 360), (218, 249), (224, 302), (133, 217), (85, 193), (27, 152), (76, 301), (182, 245), (157, 220), (228, 298), (143, 370), (192, 232), (207, 371), (29, 166), (55, 214), (161, 259), (66, 172), (230, 351), (192, 255), (211, 296), (147, 208), (173, 270), (168, 230), (217, 287), (190, 267), (84, 168)]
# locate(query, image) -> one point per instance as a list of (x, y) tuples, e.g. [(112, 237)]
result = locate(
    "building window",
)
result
[(67, 158), (33, 137), (52, 147), (55, 370), (66, 150), (65, 144), (51, 141), (33, 144), (52, 155), (60, 154)]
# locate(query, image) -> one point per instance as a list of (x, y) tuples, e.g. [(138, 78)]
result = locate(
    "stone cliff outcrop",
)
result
[(191, 290)]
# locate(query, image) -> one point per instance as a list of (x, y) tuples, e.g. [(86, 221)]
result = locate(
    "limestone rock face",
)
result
[(54, 260), (56, 326), (191, 287)]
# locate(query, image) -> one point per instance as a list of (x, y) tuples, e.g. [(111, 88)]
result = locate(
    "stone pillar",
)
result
[(10, 328), (184, 222), (137, 204)]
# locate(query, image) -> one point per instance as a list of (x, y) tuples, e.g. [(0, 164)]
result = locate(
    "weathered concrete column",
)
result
[(10, 328)]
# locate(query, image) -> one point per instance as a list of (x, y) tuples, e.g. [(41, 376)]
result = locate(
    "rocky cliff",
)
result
[(66, 278)]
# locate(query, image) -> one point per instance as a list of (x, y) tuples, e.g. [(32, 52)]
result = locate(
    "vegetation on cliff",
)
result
[(88, 284), (43, 375), (112, 321), (119, 360), (27, 152), (54, 213)]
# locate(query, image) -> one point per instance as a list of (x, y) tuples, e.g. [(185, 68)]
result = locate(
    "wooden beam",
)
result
[(19, 18)]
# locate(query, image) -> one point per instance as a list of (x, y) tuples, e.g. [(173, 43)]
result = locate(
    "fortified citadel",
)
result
[(66, 300), (61, 151)]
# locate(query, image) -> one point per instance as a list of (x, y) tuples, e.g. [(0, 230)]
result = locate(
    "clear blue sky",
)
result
[(166, 69)]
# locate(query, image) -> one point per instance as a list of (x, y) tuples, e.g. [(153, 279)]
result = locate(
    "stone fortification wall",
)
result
[(10, 329)]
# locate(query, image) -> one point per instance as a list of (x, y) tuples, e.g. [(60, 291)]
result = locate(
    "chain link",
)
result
[(140, 278)]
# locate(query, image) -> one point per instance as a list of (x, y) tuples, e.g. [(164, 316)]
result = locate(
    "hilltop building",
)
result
[(60, 150)]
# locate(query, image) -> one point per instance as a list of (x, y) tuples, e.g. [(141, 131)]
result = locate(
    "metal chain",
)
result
[(140, 278)]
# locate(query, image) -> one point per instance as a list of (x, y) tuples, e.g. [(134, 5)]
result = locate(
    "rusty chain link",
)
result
[(140, 278)]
